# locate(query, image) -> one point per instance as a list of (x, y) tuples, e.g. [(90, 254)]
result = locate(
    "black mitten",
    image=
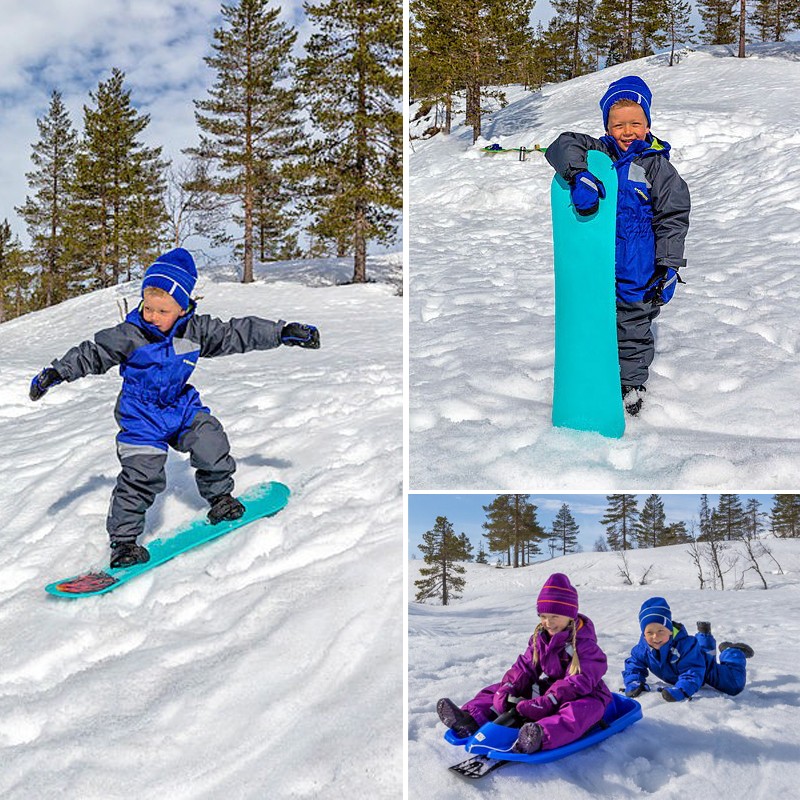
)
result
[(42, 382)]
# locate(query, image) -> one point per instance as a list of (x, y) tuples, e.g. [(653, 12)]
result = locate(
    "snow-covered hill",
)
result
[(712, 747), (721, 406), (265, 664)]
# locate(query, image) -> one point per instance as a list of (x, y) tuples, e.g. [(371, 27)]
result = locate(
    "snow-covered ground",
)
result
[(721, 405), (266, 664), (712, 747)]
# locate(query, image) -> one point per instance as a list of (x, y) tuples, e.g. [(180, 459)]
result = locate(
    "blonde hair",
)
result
[(155, 291), (626, 102), (575, 664)]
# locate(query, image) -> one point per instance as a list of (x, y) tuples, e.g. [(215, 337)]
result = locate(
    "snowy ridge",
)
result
[(719, 408), (714, 746), (254, 666)]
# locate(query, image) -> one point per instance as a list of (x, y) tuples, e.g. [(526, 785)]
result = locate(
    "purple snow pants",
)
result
[(569, 722)]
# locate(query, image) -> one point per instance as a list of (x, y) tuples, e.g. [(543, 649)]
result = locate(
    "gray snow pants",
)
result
[(143, 476), (635, 341)]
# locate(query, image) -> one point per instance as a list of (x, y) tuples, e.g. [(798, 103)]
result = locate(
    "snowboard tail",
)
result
[(260, 501), (587, 393)]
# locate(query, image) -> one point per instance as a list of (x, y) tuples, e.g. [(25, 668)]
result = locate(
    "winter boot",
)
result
[(704, 627), (460, 722), (126, 554), (633, 399), (529, 739), (745, 648), (224, 507)]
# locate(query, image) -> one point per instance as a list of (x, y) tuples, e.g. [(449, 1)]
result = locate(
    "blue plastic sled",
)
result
[(495, 741)]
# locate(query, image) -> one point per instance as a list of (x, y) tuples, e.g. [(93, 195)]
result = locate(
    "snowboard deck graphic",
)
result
[(262, 500), (587, 394)]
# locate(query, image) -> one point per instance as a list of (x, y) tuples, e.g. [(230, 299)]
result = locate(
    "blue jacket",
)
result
[(157, 403), (653, 207), (681, 662)]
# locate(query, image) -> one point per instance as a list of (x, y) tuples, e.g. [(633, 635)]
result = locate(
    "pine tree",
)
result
[(677, 19), (651, 523), (116, 216), (620, 520), (785, 516), (565, 530), (612, 30), (511, 527), (250, 125), (720, 21), (576, 16), (729, 517), (53, 157), (352, 79), (472, 43), (675, 533), (706, 527), (775, 19), (442, 551), (481, 558), (649, 22), (754, 519), (13, 277)]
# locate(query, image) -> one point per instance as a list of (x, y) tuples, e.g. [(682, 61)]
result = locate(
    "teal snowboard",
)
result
[(260, 501), (587, 395)]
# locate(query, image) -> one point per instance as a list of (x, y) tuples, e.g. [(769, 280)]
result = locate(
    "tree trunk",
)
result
[(742, 21)]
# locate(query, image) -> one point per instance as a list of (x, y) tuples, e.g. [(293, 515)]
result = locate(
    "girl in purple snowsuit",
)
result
[(557, 683)]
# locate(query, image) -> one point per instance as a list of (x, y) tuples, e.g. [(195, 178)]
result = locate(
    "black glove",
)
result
[(669, 695), (42, 382), (297, 334), (636, 690)]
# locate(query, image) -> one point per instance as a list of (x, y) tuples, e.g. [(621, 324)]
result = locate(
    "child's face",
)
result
[(554, 623), (657, 635), (161, 311), (627, 124)]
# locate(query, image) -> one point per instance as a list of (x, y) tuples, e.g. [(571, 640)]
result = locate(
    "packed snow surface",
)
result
[(713, 746), (268, 663), (721, 402)]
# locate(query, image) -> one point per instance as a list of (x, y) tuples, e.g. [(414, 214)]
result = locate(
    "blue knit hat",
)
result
[(629, 88), (175, 273), (656, 609)]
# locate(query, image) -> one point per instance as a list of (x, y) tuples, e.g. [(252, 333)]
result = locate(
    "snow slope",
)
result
[(721, 407), (266, 664), (713, 747)]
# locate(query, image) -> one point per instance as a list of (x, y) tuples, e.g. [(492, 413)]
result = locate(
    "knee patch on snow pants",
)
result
[(209, 454)]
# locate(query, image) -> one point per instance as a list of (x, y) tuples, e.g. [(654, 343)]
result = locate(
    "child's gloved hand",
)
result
[(538, 707), (586, 193), (635, 689), (500, 699), (297, 334), (42, 382), (673, 695)]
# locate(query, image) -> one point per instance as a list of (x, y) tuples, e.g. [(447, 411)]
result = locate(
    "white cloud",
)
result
[(72, 45)]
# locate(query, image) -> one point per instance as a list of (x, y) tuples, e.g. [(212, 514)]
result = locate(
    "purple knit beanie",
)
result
[(558, 596)]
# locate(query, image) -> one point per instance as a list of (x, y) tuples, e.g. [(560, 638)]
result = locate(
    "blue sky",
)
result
[(72, 45), (466, 514)]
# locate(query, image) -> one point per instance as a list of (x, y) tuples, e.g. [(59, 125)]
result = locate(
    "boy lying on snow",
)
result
[(156, 349), (685, 661)]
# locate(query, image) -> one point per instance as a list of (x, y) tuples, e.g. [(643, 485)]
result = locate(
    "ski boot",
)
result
[(745, 648), (224, 507), (529, 739), (633, 399), (460, 722), (126, 554)]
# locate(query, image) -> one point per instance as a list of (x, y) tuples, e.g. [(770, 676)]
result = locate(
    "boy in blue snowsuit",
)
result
[(652, 219), (684, 661), (156, 349)]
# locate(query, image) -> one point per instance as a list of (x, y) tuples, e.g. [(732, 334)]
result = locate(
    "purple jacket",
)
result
[(551, 673)]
